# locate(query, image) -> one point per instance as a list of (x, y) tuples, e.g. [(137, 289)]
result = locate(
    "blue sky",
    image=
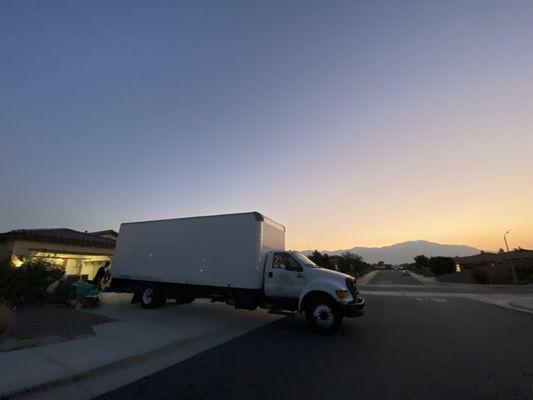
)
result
[(353, 123)]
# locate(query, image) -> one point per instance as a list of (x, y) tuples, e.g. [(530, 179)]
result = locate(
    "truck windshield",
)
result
[(304, 260)]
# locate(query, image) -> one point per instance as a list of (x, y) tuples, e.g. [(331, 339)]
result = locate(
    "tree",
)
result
[(326, 261), (322, 260), (441, 265), (350, 263), (316, 257), (421, 261)]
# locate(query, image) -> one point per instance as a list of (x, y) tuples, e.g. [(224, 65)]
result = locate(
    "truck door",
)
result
[(285, 277)]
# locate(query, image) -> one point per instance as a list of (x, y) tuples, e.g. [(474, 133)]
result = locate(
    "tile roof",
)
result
[(58, 235)]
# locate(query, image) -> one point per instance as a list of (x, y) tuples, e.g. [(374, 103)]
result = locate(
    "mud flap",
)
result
[(136, 298)]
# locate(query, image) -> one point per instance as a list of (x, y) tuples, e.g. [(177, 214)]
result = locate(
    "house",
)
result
[(517, 257), (499, 267), (80, 253)]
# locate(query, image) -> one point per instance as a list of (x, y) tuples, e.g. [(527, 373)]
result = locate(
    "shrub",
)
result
[(61, 294), (27, 283), (5, 318), (480, 276), (425, 271), (419, 269), (528, 279), (7, 272), (524, 273)]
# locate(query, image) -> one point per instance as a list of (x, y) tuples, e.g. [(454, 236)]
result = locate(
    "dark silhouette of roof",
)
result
[(58, 235), (109, 232), (486, 257)]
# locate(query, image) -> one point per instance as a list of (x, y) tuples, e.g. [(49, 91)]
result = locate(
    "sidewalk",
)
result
[(136, 333), (523, 303), (425, 280), (362, 281), (517, 302), (432, 281)]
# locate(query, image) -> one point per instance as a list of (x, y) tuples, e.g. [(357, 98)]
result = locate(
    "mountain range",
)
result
[(402, 253)]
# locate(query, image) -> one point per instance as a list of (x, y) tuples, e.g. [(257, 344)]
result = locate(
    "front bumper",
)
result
[(353, 309)]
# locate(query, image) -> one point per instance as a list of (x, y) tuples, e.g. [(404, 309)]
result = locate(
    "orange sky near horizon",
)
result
[(463, 176)]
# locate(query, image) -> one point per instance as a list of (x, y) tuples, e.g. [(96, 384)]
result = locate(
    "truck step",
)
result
[(281, 312)]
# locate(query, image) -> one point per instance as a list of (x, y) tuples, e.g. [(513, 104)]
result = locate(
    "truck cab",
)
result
[(295, 282)]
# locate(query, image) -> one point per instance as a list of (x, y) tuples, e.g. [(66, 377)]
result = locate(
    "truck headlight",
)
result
[(342, 293)]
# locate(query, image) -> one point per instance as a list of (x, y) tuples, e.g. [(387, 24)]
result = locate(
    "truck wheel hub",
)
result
[(323, 316), (148, 295)]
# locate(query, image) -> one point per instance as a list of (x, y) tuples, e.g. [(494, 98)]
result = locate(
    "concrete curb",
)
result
[(424, 279), (105, 367), (363, 281), (521, 308)]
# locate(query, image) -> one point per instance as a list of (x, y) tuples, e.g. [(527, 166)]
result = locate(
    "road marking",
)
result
[(430, 299), (505, 300)]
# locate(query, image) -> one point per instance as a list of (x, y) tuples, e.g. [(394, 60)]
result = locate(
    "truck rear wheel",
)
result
[(152, 297), (323, 315)]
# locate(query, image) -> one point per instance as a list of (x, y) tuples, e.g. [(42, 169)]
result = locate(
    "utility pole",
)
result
[(515, 278)]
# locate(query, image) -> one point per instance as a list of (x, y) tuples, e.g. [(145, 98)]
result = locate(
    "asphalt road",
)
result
[(392, 277), (403, 348)]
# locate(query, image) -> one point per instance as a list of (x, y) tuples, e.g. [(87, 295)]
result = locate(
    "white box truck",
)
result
[(239, 259)]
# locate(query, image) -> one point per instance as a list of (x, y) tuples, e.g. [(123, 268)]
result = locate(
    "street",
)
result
[(404, 347), (390, 277)]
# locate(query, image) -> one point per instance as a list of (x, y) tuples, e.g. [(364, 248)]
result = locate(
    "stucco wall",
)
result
[(24, 248)]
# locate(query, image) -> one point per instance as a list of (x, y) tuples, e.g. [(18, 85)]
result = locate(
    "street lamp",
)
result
[(505, 240), (515, 278)]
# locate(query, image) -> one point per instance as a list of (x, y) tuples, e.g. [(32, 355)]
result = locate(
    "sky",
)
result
[(351, 122)]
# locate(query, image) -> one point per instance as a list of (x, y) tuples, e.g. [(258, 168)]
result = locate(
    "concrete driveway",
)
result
[(138, 343)]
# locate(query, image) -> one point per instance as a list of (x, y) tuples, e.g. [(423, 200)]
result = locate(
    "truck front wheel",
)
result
[(152, 297), (323, 315)]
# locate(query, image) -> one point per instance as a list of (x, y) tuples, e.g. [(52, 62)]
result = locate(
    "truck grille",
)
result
[(350, 284)]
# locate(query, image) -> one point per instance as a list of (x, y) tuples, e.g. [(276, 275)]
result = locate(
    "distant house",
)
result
[(517, 256), (498, 266), (80, 253)]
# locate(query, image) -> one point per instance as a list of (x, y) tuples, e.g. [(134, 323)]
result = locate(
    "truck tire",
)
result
[(152, 297), (323, 315)]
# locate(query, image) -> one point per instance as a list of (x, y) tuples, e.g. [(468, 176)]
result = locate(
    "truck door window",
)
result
[(278, 261), (286, 261)]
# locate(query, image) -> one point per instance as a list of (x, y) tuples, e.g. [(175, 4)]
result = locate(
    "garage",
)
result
[(80, 253)]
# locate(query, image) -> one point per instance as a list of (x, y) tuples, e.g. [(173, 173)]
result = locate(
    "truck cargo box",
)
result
[(219, 250)]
